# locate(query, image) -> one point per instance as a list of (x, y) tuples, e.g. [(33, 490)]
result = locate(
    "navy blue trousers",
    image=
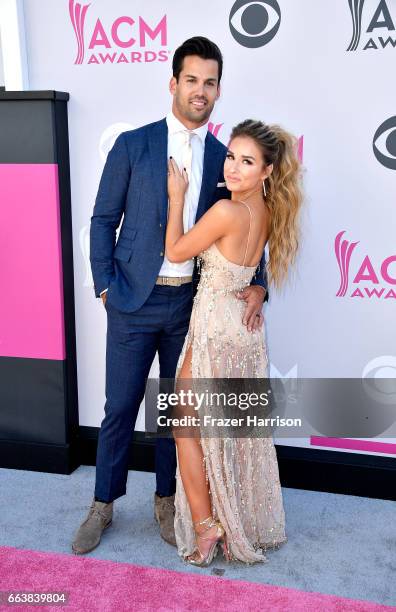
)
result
[(132, 341)]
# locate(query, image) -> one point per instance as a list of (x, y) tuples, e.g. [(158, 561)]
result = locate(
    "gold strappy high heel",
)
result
[(197, 557)]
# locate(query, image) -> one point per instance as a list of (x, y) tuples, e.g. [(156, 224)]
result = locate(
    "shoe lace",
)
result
[(95, 511)]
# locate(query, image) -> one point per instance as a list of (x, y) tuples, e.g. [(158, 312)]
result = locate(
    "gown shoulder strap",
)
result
[(250, 224)]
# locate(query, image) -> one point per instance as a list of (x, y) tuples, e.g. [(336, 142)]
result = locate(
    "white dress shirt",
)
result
[(176, 146), (176, 143)]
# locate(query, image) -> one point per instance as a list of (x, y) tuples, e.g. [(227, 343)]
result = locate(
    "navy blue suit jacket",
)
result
[(134, 184)]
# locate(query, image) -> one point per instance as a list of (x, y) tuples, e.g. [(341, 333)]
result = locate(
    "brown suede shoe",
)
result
[(88, 536), (164, 514)]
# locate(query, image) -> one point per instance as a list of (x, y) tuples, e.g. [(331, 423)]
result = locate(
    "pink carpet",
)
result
[(94, 584)]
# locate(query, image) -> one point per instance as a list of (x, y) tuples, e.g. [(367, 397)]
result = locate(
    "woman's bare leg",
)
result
[(192, 471), (190, 457)]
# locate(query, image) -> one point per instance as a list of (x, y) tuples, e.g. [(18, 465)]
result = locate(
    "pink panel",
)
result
[(360, 445), (31, 303)]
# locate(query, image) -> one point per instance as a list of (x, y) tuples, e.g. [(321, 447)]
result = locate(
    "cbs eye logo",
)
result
[(384, 143), (379, 379), (254, 24)]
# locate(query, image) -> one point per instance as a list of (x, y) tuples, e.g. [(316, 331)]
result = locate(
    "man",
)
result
[(148, 299)]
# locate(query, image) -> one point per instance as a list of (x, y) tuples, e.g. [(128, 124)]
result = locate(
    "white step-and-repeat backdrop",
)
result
[(323, 70)]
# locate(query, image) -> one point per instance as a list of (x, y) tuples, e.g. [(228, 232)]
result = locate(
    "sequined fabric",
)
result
[(242, 473)]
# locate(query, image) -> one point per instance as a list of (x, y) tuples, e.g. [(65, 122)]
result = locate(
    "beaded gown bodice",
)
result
[(242, 473), (223, 347)]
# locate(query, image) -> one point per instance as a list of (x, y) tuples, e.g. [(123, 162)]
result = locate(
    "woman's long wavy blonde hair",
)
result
[(283, 193)]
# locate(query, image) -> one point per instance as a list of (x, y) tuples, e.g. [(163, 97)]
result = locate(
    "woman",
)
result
[(228, 490)]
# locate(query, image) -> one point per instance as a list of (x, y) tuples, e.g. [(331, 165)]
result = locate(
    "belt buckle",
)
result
[(174, 281)]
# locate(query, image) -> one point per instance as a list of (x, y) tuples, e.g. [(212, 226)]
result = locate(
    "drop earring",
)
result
[(265, 193)]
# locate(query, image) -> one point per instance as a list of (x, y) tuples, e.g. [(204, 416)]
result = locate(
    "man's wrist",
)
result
[(262, 288)]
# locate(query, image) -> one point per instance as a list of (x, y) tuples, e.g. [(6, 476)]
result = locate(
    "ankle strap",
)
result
[(207, 523), (204, 521)]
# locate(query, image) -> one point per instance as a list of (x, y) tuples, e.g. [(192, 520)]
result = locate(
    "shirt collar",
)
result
[(174, 126)]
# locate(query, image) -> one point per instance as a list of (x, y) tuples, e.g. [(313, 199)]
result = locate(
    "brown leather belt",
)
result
[(173, 281)]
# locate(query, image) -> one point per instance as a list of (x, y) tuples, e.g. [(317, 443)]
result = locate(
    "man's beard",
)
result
[(195, 116)]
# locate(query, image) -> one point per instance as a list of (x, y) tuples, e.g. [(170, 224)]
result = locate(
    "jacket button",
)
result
[(160, 224), (162, 253)]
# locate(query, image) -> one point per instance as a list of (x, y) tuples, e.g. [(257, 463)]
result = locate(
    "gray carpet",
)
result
[(337, 544)]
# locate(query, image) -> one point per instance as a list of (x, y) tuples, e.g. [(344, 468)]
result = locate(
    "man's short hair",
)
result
[(200, 46)]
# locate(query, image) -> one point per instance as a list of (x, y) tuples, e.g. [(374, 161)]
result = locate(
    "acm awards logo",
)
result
[(124, 41), (215, 128), (254, 24), (369, 281), (378, 23)]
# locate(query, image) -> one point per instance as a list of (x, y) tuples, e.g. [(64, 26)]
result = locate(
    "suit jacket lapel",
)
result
[(212, 164), (158, 146)]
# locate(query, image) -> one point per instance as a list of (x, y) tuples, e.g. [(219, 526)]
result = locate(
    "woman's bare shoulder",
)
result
[(225, 207)]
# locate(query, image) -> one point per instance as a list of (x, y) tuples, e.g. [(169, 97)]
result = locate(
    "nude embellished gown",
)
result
[(242, 473)]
